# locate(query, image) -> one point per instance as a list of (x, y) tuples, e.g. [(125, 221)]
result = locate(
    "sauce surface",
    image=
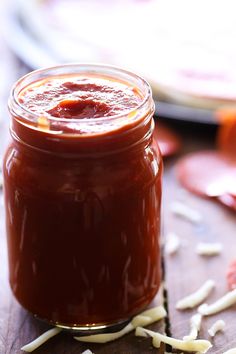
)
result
[(80, 97)]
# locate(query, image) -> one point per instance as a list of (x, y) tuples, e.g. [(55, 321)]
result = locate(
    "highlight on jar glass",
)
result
[(82, 186)]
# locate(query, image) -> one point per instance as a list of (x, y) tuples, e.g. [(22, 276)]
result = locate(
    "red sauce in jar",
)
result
[(82, 194), (80, 97)]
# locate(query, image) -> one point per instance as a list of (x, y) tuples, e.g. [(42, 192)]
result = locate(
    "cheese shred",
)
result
[(143, 319), (186, 212), (230, 351), (172, 243), (216, 327), (200, 345), (41, 340), (221, 304), (209, 249), (197, 297), (195, 325)]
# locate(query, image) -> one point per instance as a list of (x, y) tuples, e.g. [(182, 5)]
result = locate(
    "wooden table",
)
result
[(184, 271)]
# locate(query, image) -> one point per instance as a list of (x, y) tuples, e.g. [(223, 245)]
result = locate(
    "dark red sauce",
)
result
[(91, 97), (82, 210)]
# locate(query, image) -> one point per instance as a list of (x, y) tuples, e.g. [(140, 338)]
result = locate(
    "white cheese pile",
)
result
[(172, 243), (209, 249), (195, 325), (221, 304), (197, 297), (186, 212), (88, 351), (41, 340), (200, 345), (143, 319), (216, 327)]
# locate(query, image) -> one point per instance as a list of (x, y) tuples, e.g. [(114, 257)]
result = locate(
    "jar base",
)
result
[(88, 329), (94, 329)]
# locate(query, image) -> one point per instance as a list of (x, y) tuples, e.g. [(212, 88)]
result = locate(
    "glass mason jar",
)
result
[(82, 200)]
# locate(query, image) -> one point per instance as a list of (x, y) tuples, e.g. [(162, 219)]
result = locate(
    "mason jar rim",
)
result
[(19, 109)]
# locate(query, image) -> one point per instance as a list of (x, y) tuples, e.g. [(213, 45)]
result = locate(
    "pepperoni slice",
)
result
[(231, 275), (213, 173), (168, 141), (208, 173)]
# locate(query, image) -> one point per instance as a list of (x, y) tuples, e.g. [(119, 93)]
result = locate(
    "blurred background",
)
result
[(186, 49)]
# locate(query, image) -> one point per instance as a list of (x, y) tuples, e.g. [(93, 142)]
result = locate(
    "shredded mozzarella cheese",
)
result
[(195, 325), (185, 212), (88, 351), (172, 243), (197, 297), (199, 345), (216, 327), (221, 304), (143, 319), (209, 249), (230, 351), (41, 340)]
